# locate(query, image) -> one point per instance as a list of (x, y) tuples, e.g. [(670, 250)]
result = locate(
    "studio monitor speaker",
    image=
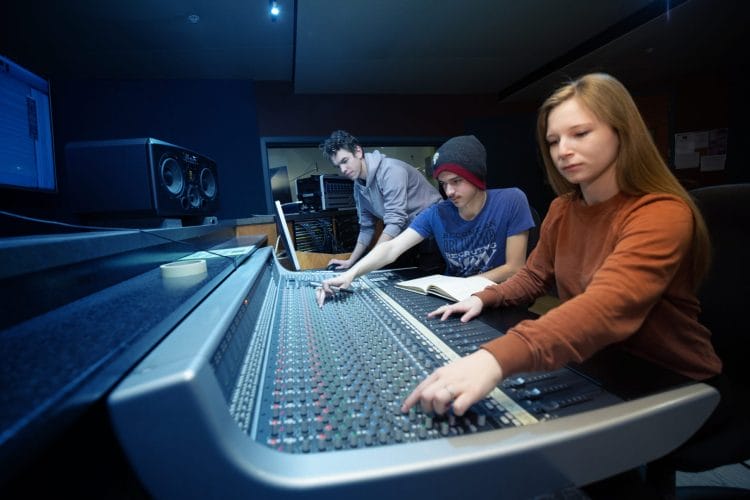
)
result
[(140, 177)]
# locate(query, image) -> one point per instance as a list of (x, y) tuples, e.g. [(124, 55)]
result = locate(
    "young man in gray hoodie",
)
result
[(384, 188)]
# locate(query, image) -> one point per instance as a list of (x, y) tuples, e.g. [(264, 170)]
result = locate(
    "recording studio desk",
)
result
[(240, 387)]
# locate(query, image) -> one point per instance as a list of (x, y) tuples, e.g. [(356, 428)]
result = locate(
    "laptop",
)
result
[(286, 238)]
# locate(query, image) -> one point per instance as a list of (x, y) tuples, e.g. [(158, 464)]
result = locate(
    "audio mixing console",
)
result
[(260, 392)]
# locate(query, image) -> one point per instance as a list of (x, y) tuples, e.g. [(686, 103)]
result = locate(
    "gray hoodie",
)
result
[(394, 192)]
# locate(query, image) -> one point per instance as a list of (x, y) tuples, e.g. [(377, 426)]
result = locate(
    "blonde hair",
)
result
[(640, 169)]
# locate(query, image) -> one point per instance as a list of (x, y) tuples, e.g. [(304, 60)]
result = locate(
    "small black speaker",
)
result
[(140, 178)]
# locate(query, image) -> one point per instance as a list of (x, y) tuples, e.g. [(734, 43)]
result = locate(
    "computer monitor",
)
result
[(286, 237), (280, 188), (26, 149)]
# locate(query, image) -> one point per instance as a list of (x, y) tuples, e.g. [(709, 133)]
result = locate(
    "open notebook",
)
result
[(452, 288)]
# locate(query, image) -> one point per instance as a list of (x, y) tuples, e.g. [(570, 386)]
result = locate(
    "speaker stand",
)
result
[(170, 223)]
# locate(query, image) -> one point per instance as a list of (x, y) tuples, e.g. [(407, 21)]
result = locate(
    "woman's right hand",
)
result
[(471, 307)]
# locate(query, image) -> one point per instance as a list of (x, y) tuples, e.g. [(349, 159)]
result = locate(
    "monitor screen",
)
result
[(280, 188), (286, 238), (26, 148)]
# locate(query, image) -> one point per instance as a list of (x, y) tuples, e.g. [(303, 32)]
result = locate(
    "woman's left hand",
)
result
[(460, 384)]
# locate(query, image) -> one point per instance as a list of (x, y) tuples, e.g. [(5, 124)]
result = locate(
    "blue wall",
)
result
[(216, 118), (513, 158)]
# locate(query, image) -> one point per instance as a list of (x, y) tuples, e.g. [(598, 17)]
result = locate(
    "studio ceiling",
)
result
[(509, 48)]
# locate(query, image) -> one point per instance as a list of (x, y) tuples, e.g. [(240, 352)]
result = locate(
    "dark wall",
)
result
[(512, 155), (739, 128), (283, 113), (216, 118), (715, 101)]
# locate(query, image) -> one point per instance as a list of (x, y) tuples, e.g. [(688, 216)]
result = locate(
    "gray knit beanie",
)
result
[(465, 156)]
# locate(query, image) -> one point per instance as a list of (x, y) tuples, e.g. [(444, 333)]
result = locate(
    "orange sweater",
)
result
[(623, 272)]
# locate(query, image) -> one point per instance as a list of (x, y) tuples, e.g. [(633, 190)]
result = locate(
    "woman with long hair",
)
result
[(623, 243)]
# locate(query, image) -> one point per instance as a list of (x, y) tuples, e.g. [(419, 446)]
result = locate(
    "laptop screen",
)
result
[(285, 236)]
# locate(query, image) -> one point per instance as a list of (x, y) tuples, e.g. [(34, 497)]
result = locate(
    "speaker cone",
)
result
[(171, 175), (208, 183)]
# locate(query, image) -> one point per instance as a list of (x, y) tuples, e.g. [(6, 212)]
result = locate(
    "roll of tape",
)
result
[(182, 268)]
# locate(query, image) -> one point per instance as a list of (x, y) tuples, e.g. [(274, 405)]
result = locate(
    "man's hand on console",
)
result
[(338, 264), (332, 285)]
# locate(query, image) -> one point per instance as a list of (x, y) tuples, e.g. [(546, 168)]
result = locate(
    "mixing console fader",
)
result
[(259, 392)]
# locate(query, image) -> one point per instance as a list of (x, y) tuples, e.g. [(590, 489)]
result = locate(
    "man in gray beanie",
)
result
[(477, 231), (464, 156)]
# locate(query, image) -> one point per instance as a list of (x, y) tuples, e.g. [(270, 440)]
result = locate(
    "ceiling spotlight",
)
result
[(275, 9)]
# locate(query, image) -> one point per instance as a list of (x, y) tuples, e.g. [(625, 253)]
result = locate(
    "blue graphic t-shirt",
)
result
[(475, 246)]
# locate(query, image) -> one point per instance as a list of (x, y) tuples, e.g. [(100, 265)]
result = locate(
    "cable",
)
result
[(98, 228)]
